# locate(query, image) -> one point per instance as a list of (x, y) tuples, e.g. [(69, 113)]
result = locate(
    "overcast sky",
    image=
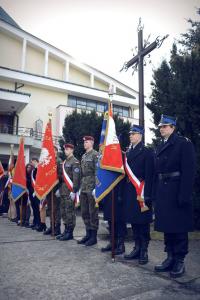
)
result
[(102, 33)]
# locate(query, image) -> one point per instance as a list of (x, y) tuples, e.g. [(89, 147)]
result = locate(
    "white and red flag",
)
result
[(111, 150)]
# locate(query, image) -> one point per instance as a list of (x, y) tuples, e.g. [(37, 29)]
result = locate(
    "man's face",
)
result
[(68, 151), (166, 130), (34, 163), (28, 169), (88, 144), (135, 138)]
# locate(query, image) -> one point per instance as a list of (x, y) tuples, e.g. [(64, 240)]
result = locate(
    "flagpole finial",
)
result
[(112, 90), (50, 116)]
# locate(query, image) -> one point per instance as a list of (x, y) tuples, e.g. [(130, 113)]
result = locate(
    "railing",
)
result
[(24, 131)]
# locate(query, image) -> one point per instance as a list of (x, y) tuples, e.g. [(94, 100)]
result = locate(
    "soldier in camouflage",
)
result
[(56, 202), (89, 211), (70, 176)]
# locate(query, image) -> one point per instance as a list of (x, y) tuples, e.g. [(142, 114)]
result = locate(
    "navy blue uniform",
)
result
[(175, 169), (141, 162)]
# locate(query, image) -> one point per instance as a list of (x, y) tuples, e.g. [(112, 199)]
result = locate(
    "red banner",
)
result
[(19, 178), (1, 170), (46, 177)]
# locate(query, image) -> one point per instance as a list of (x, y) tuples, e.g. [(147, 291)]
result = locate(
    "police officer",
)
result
[(89, 211), (175, 168), (140, 161), (70, 177), (56, 202), (119, 224)]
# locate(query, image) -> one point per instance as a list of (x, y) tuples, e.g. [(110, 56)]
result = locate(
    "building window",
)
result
[(81, 103), (72, 101), (91, 105), (122, 111), (88, 104)]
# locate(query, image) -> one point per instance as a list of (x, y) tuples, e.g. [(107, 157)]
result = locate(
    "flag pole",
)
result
[(113, 227), (111, 92), (21, 213), (52, 202), (52, 214), (9, 177)]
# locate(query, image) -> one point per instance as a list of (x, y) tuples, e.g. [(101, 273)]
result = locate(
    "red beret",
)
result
[(88, 138), (69, 146)]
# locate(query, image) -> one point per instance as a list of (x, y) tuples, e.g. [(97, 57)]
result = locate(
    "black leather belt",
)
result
[(162, 176)]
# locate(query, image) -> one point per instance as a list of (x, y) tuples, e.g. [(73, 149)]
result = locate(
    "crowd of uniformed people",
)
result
[(168, 175)]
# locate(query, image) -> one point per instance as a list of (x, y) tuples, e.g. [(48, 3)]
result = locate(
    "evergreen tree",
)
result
[(176, 92), (77, 125)]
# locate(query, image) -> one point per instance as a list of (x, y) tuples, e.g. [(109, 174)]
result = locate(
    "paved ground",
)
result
[(33, 266)]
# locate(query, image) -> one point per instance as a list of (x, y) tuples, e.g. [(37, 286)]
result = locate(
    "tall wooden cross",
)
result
[(138, 60)]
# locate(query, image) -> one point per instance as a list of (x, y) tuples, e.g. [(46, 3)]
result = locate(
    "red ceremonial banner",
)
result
[(19, 178), (1, 170), (46, 177)]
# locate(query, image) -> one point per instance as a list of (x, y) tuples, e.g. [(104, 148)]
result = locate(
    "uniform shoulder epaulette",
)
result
[(186, 139)]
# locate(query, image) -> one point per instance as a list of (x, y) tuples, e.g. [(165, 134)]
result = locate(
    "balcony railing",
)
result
[(24, 131)]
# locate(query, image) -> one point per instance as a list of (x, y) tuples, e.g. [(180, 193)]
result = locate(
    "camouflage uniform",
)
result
[(88, 171), (72, 168)]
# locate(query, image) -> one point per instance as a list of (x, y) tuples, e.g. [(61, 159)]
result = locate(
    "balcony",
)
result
[(12, 134), (13, 101)]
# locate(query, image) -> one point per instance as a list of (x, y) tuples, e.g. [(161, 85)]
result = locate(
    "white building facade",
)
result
[(36, 79)]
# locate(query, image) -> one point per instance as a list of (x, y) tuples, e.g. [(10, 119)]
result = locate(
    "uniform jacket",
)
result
[(141, 162), (88, 171), (173, 202), (72, 168)]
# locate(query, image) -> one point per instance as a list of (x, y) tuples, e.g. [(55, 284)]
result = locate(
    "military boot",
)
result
[(108, 247), (48, 231), (60, 235), (42, 227), (166, 265), (85, 238), (135, 253), (93, 238), (120, 249), (178, 268), (68, 235), (57, 230), (143, 259)]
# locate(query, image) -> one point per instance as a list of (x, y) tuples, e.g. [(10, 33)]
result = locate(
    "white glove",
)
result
[(34, 194), (93, 193), (72, 196), (57, 193)]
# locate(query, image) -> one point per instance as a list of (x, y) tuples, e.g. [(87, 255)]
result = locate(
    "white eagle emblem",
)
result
[(44, 157)]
